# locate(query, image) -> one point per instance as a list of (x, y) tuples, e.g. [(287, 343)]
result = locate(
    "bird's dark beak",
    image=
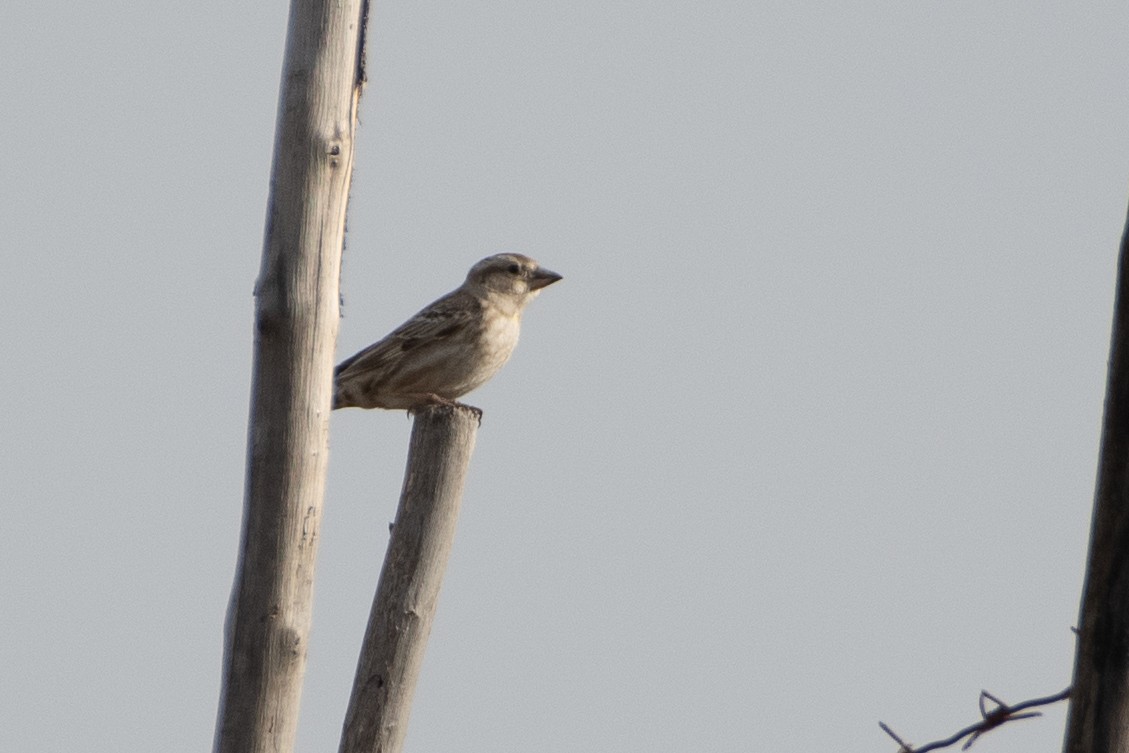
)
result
[(541, 278)]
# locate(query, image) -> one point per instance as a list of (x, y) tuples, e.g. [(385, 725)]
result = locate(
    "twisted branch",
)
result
[(990, 718)]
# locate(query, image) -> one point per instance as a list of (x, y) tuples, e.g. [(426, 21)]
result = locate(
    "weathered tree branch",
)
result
[(408, 592), (1098, 720), (990, 718), (295, 334)]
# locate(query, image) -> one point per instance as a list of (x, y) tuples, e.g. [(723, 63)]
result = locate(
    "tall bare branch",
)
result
[(295, 333), (1098, 721), (408, 592)]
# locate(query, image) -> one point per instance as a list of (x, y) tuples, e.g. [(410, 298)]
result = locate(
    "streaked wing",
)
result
[(450, 314)]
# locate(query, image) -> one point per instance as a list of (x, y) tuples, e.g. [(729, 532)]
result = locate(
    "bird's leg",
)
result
[(430, 398)]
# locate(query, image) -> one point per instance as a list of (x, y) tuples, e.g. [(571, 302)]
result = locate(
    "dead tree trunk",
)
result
[(295, 333), (406, 597), (1098, 720)]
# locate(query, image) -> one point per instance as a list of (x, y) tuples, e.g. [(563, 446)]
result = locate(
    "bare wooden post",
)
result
[(1098, 720), (402, 612), (296, 319)]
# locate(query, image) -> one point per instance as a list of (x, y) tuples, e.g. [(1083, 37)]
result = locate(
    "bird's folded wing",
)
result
[(433, 325)]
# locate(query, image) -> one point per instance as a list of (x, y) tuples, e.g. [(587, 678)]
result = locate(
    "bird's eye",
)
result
[(514, 269)]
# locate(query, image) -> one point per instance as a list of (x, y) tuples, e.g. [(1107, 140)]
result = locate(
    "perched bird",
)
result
[(449, 348)]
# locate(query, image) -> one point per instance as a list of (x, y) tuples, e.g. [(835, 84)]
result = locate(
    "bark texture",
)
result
[(406, 597), (296, 317)]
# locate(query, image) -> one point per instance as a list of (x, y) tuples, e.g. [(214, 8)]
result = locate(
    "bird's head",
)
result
[(513, 276)]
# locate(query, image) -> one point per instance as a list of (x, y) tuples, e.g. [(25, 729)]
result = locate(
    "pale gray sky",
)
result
[(805, 439)]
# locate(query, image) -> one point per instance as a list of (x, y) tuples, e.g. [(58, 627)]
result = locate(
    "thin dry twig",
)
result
[(990, 719)]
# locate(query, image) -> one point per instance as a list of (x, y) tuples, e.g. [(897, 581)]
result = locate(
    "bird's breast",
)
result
[(499, 336)]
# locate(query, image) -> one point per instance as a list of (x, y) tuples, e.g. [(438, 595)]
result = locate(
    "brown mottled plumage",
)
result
[(449, 348)]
